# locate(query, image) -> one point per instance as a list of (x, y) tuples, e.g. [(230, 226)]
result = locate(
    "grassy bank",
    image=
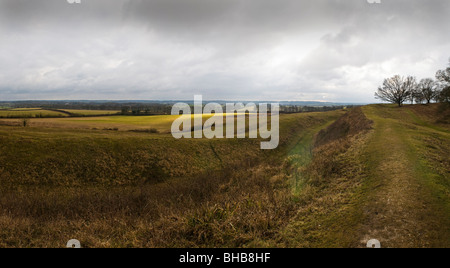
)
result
[(114, 189)]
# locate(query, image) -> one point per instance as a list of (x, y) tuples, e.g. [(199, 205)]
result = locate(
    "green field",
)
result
[(30, 113), (337, 179), (44, 113)]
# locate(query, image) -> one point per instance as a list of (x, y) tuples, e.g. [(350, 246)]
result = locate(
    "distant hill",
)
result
[(99, 103)]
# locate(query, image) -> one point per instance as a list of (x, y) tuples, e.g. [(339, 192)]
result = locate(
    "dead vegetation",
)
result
[(436, 113), (328, 188), (332, 142), (347, 126), (123, 189)]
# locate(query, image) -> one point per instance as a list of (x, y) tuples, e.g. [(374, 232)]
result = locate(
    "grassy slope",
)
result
[(390, 183), (105, 187), (328, 189)]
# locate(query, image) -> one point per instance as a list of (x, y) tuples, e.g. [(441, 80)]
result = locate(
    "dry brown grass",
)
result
[(333, 141), (433, 113), (348, 125), (125, 189), (236, 206)]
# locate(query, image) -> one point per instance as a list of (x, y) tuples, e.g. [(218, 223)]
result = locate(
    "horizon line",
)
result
[(173, 100)]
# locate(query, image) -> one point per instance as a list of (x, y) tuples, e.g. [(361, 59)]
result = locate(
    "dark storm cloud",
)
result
[(335, 50)]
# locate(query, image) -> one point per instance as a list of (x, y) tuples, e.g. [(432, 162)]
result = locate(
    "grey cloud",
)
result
[(172, 49)]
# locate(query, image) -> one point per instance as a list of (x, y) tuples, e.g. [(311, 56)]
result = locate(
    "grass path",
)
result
[(408, 199)]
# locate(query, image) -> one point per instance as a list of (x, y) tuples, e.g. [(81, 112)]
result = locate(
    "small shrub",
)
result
[(152, 130), (25, 122)]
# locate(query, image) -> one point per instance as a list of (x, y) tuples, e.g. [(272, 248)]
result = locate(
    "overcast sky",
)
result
[(325, 50)]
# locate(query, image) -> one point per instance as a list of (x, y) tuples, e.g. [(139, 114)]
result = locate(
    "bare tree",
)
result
[(397, 89), (445, 95), (428, 89), (418, 96), (412, 95), (443, 76)]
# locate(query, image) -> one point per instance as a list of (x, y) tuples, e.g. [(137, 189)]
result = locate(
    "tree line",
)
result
[(399, 89)]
